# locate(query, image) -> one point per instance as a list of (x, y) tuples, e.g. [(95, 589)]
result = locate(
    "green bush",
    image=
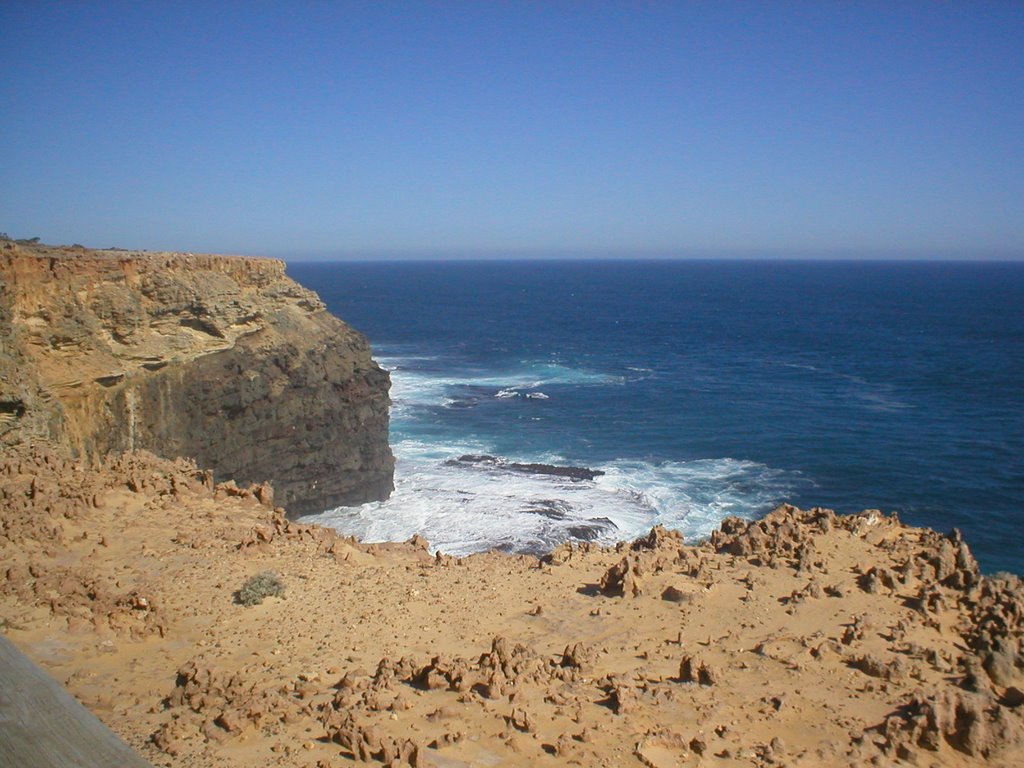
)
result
[(255, 588)]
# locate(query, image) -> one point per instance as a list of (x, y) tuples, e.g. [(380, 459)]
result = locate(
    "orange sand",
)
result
[(805, 640)]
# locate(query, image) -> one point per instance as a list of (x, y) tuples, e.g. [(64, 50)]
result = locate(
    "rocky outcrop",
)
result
[(887, 647), (222, 359), (552, 470)]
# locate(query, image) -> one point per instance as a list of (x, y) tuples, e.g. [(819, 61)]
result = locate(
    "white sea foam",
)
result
[(695, 496), (462, 508), (411, 388)]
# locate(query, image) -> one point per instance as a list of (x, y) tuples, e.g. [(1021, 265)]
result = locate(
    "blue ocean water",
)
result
[(700, 389)]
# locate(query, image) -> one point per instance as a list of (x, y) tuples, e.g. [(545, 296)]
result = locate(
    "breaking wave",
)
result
[(461, 508)]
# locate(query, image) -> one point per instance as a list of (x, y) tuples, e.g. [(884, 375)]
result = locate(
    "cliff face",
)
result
[(222, 359)]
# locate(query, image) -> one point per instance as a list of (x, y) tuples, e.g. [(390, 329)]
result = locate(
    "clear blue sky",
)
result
[(368, 129)]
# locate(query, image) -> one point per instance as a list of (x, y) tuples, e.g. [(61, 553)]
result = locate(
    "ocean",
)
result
[(686, 391)]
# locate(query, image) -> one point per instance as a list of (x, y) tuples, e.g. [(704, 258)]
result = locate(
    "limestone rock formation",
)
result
[(222, 359), (120, 580)]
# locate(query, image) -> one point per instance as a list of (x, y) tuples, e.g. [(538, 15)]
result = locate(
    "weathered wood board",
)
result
[(43, 726)]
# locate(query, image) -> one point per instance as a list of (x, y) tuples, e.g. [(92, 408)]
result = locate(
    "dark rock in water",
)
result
[(590, 532), (464, 402), (572, 473), (476, 458), (565, 527), (553, 509), (473, 458)]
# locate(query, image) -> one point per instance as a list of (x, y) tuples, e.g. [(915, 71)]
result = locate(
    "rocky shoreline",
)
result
[(803, 639), (806, 638)]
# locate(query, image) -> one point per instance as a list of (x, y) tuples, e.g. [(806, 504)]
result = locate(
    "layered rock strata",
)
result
[(222, 359)]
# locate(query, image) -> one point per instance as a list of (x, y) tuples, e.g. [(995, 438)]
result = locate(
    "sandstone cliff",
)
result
[(221, 359)]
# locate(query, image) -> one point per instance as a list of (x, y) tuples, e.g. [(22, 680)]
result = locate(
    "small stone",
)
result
[(674, 595)]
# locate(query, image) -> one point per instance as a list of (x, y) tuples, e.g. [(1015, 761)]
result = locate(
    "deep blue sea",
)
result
[(700, 389)]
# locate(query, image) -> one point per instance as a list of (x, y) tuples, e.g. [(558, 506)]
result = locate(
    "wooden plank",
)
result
[(44, 726)]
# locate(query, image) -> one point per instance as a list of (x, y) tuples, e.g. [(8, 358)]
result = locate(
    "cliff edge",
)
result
[(222, 359)]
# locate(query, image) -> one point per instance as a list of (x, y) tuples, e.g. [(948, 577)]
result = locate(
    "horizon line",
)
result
[(425, 254), (846, 256)]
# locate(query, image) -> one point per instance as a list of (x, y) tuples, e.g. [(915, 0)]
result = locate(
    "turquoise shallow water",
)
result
[(700, 389)]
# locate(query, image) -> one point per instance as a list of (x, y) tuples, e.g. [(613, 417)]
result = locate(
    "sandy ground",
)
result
[(807, 639)]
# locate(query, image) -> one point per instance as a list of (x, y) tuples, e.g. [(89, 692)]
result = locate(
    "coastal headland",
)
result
[(220, 358), (803, 639)]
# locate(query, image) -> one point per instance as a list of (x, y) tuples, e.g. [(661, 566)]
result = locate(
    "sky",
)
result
[(476, 129)]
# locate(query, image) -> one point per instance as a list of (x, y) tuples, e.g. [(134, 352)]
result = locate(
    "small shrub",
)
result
[(255, 588)]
